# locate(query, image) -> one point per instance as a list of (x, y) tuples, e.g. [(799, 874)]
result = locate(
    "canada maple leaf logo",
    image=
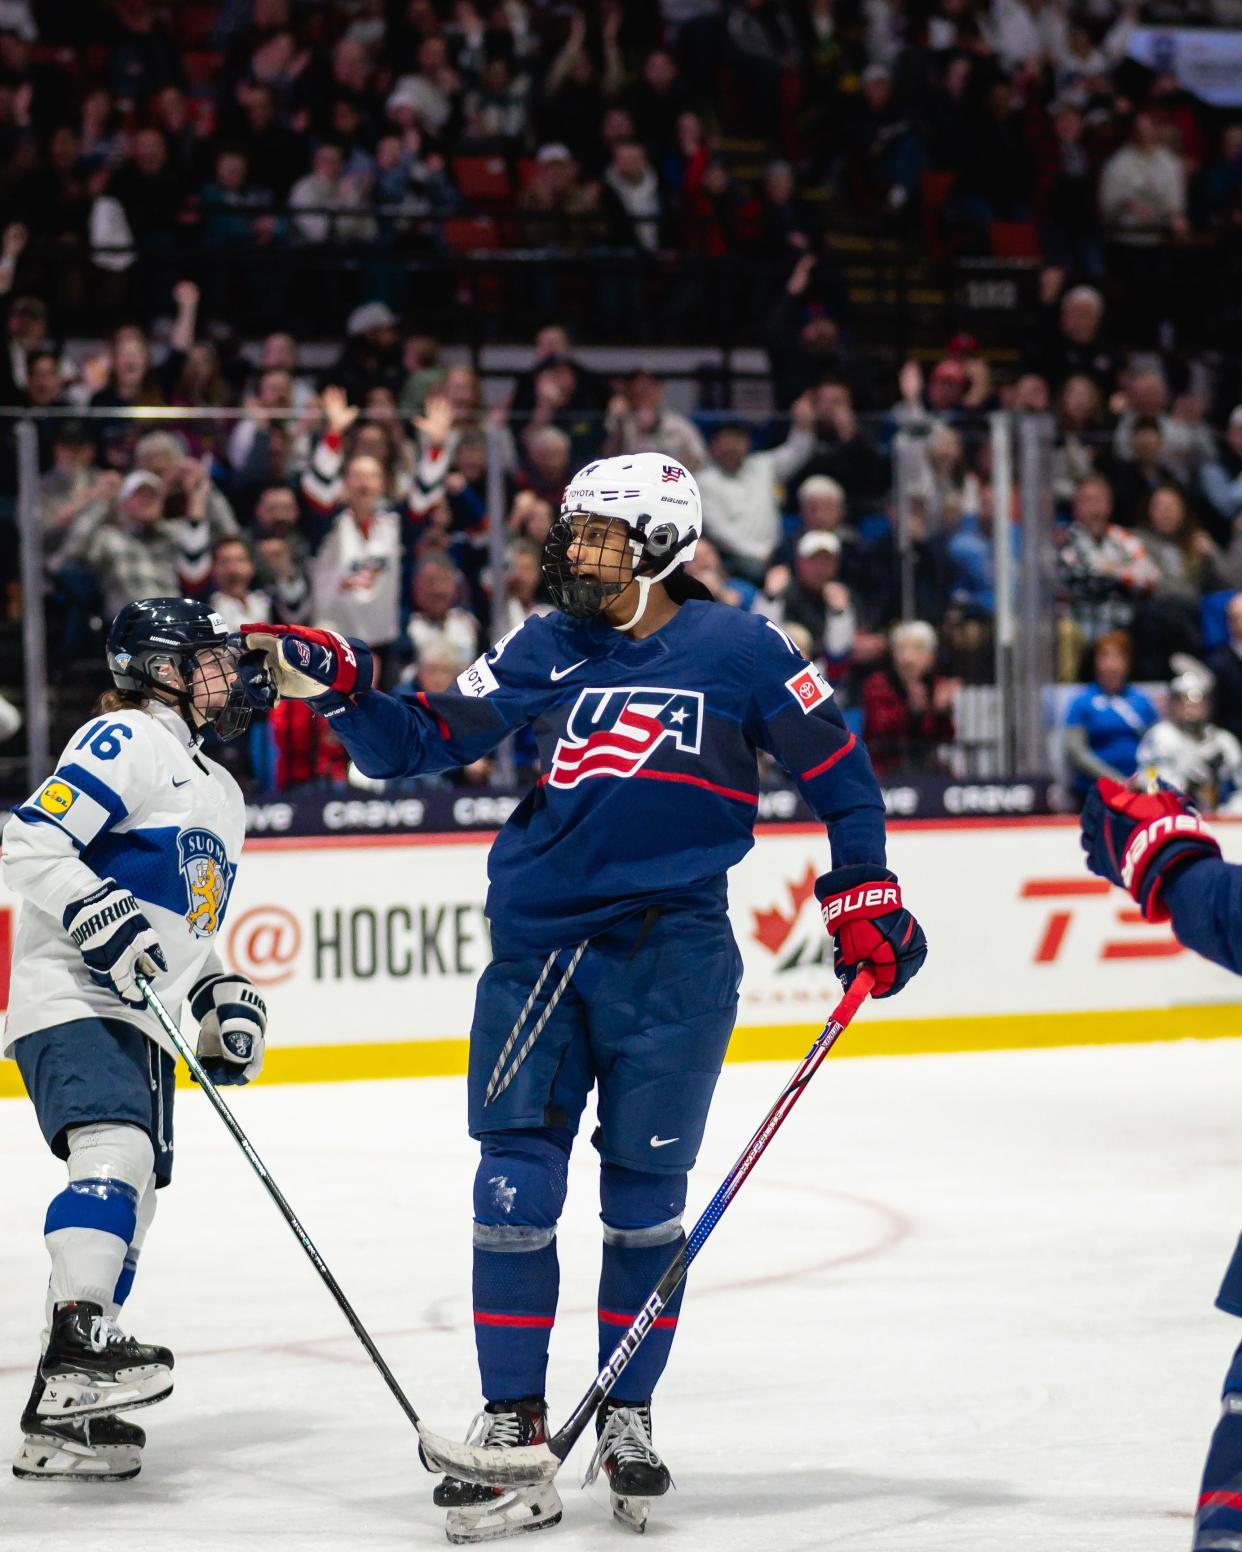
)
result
[(772, 928)]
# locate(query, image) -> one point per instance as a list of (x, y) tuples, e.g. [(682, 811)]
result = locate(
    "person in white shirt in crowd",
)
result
[(638, 422), (233, 596), (356, 574), (322, 484), (1188, 751), (741, 513), (633, 190), (1143, 188), (437, 618), (329, 206)]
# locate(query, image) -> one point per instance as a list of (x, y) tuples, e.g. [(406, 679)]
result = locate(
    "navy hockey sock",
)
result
[(628, 1275), (1218, 1522), (515, 1296), (519, 1192)]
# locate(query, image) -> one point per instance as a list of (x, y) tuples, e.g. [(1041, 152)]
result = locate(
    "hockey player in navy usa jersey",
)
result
[(1155, 846), (124, 861), (614, 964)]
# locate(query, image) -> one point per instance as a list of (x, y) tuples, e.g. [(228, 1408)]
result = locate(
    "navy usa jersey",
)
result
[(649, 752)]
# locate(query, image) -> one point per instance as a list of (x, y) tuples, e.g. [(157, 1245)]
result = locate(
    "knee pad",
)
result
[(640, 1209), (519, 1191), (113, 1151), (109, 1167)]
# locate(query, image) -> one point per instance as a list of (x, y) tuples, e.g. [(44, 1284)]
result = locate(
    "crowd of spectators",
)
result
[(293, 496), (354, 490), (140, 131)]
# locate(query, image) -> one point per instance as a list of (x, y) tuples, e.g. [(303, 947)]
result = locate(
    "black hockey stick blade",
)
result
[(522, 1465)]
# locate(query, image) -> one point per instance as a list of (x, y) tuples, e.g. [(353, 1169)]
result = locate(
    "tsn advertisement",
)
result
[(378, 941)]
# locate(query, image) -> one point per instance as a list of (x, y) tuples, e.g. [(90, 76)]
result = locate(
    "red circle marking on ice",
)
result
[(264, 942)]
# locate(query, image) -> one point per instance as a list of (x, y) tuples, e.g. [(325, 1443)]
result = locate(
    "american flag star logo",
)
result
[(672, 472), (615, 732)]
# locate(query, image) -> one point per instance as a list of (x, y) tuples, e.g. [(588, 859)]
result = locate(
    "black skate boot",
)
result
[(92, 1367), (477, 1513), (624, 1449), (88, 1449)]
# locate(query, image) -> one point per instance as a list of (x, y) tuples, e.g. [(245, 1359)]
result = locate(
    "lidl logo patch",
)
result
[(57, 798)]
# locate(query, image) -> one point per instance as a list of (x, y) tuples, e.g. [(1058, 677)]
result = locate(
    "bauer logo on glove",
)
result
[(862, 909)]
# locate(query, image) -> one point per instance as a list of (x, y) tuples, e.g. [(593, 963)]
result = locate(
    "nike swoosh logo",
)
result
[(177, 783), (559, 673), (662, 1142)]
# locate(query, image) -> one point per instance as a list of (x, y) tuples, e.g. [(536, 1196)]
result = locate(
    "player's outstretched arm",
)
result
[(386, 735), (1155, 846)]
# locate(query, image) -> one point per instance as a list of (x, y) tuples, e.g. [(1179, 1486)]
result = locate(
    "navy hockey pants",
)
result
[(646, 1020)]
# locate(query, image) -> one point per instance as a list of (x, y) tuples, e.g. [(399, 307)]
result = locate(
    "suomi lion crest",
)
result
[(208, 876)]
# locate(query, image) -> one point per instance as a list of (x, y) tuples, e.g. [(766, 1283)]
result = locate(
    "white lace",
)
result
[(105, 1332), (499, 1428), (625, 1437)]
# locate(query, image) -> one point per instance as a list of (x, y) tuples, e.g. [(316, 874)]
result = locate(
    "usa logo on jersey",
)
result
[(615, 732)]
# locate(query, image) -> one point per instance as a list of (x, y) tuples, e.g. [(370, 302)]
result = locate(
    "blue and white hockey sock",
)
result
[(517, 1279), (87, 1232), (629, 1273), (92, 1222), (1218, 1522)]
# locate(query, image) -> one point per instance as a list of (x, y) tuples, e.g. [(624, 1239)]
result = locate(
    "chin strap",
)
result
[(644, 587)]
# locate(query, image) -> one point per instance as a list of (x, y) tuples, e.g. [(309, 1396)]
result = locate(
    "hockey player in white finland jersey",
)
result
[(124, 860)]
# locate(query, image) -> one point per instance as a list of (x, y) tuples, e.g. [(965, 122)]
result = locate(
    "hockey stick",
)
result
[(528, 1464), (190, 1057)]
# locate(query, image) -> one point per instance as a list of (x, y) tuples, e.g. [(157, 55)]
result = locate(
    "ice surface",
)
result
[(964, 1304)]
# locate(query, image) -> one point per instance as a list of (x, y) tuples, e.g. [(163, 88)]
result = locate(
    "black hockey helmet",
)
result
[(153, 633)]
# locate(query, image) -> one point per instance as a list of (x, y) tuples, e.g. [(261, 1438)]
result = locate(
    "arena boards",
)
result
[(368, 949)]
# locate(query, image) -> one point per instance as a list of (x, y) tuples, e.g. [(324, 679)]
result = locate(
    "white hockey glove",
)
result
[(115, 939), (232, 1019)]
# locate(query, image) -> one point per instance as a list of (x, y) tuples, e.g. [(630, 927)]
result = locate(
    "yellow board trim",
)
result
[(784, 1042)]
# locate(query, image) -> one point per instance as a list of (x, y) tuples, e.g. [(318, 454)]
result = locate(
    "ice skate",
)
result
[(477, 1513), (88, 1449), (635, 1473), (92, 1367)]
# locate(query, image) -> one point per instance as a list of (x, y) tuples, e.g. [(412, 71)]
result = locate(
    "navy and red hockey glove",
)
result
[(1141, 839), (297, 662), (862, 909)]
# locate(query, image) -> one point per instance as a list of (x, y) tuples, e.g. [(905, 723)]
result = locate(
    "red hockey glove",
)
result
[(862, 909), (306, 664), (1141, 839)]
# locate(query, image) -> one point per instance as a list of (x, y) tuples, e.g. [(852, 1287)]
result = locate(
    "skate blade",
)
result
[(522, 1465), (513, 1515), (79, 1395), (43, 1458), (632, 1512)]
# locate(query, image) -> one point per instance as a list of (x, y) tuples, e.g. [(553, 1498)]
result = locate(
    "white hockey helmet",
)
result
[(654, 496)]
